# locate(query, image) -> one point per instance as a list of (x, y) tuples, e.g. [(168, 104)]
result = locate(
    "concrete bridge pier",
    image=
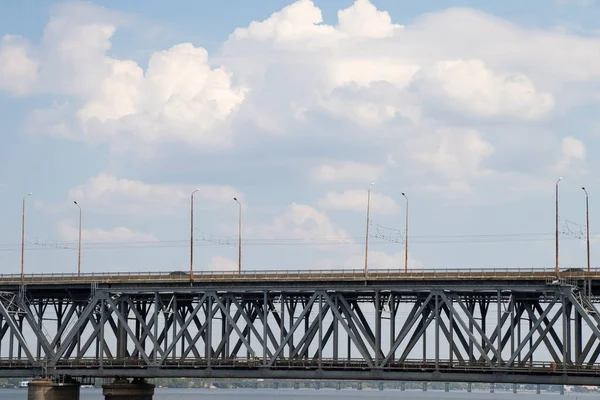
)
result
[(275, 385), (446, 387), (380, 386), (562, 390), (402, 386), (296, 385), (514, 388), (424, 386), (339, 386), (318, 385), (45, 389), (122, 389), (492, 387), (538, 389), (359, 386), (469, 387)]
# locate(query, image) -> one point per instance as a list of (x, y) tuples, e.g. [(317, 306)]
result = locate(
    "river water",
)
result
[(312, 394)]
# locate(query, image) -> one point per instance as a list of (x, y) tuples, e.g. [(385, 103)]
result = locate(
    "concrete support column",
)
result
[(318, 385), (275, 385), (514, 388), (380, 385), (402, 386), (469, 387), (122, 389), (424, 386), (45, 389), (446, 387), (492, 387), (538, 389), (339, 386), (359, 386), (562, 390), (296, 385)]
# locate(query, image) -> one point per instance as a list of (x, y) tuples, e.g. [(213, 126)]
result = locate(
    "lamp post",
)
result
[(367, 233), (406, 238), (23, 238), (192, 235), (556, 230), (587, 225), (79, 245), (239, 236)]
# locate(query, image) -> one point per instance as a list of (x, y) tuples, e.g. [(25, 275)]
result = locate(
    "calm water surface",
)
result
[(312, 394)]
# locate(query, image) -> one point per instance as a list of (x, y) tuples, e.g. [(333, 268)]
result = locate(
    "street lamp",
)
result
[(192, 235), (79, 246), (23, 238), (239, 236), (367, 233), (406, 238), (556, 231), (587, 224)]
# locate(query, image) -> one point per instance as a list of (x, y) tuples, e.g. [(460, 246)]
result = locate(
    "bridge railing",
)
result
[(315, 274)]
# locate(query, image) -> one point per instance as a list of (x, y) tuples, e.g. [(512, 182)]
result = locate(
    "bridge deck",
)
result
[(353, 275)]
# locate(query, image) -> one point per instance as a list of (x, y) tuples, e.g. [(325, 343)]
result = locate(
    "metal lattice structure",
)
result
[(383, 327)]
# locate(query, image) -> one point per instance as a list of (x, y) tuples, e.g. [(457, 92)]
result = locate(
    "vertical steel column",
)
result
[(228, 340), (437, 332), (451, 328), (336, 338), (471, 309), (174, 313), (499, 328), (264, 322), (320, 362), (377, 327), (567, 344), (155, 344), (282, 320), (102, 319), (208, 336), (512, 324), (578, 339), (565, 334), (392, 323)]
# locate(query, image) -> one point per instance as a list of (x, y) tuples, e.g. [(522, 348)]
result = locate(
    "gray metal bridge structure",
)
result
[(488, 325)]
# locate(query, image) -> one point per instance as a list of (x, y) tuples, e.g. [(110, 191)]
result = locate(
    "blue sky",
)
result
[(472, 108)]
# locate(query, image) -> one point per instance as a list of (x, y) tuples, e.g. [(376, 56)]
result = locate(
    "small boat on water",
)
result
[(23, 384)]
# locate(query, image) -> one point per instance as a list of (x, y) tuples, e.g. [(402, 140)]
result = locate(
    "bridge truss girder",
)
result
[(549, 334)]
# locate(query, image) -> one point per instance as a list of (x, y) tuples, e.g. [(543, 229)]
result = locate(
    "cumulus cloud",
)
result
[(370, 78), (356, 200), (469, 86), (348, 171), (18, 70), (301, 221), (108, 194), (178, 97), (572, 154), (68, 231)]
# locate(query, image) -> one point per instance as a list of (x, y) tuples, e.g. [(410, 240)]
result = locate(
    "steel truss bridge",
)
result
[(500, 326)]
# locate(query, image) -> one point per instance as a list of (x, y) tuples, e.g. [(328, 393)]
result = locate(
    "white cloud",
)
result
[(572, 154), (220, 263), (108, 194), (469, 86), (356, 200), (301, 221), (364, 20), (18, 70), (454, 155), (68, 231), (179, 97), (348, 171)]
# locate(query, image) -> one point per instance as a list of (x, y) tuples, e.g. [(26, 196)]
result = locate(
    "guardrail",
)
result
[(287, 275)]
